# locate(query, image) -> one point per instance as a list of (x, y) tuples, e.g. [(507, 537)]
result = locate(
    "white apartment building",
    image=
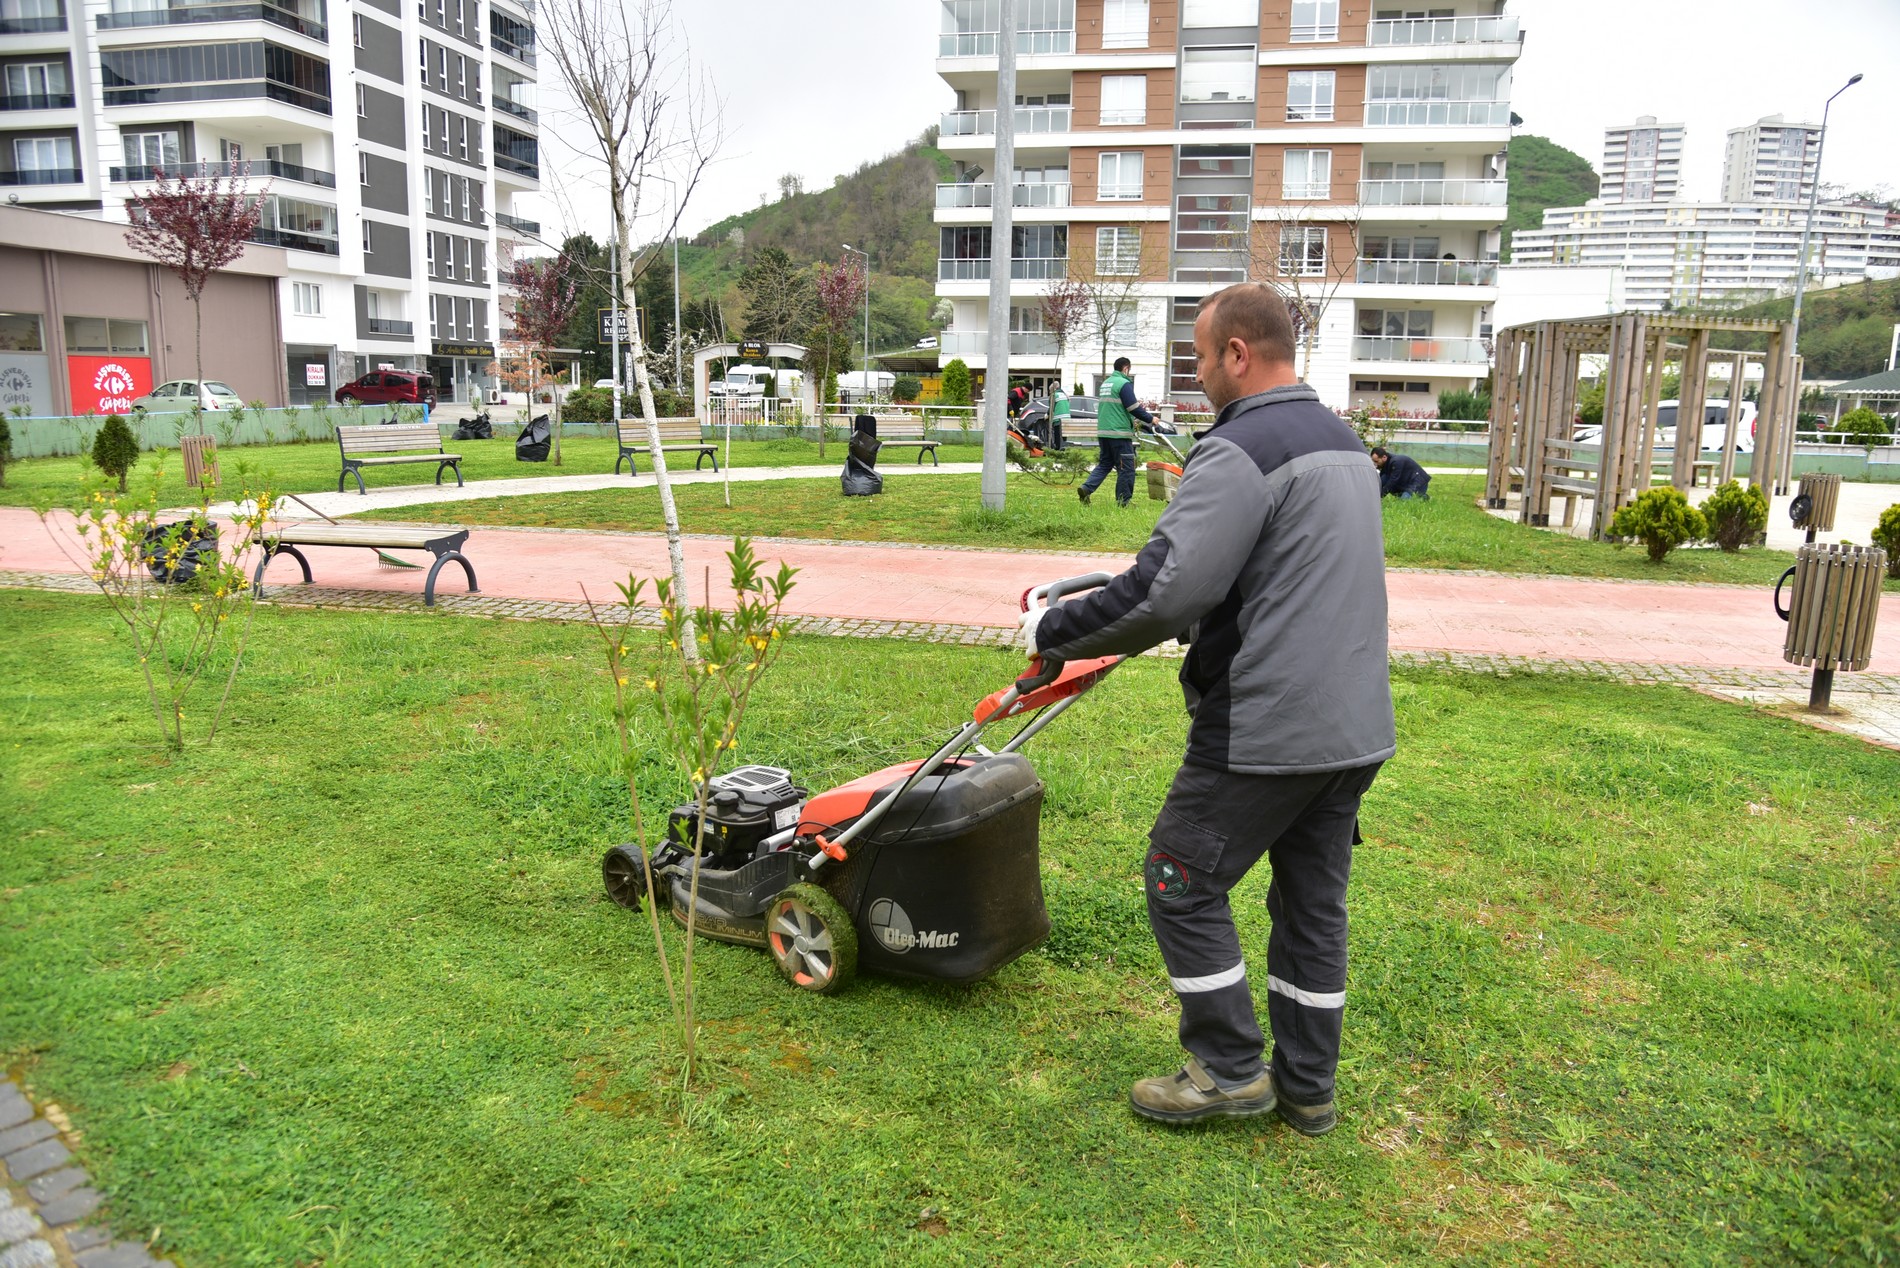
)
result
[(1771, 160), (399, 143), (1351, 156), (1642, 162), (1684, 255)]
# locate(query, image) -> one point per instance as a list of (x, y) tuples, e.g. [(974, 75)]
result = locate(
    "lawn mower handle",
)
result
[(1047, 595)]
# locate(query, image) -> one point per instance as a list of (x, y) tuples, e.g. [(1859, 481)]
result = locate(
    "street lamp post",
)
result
[(1807, 228), (672, 232), (867, 316)]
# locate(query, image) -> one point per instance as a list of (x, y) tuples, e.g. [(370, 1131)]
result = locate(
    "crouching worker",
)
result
[(1271, 556), (1400, 476)]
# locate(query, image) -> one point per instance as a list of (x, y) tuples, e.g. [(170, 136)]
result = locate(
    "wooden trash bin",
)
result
[(201, 461), (1824, 495), (1833, 606)]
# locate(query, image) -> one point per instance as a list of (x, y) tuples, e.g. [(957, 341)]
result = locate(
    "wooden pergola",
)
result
[(1534, 400)]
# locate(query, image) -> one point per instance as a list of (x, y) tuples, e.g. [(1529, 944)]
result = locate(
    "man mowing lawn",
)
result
[(1271, 556)]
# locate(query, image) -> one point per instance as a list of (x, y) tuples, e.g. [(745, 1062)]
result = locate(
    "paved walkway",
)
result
[(45, 1198)]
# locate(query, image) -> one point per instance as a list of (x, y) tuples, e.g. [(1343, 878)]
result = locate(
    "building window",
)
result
[(356, 28), (1307, 174), (1220, 13), (434, 307), (429, 253), (1119, 177), (1302, 250), (105, 336), (1314, 21), (306, 299), (150, 149), (1309, 96), (1124, 100), (466, 327), (43, 154), (467, 213), (1125, 24), (362, 102), (1118, 250), (1219, 74), (38, 79), (20, 332), (461, 137), (1396, 323), (369, 247), (1215, 160), (362, 169), (422, 47)]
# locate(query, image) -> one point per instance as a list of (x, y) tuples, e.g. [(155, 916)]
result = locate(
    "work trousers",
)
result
[(1213, 828), (1117, 454)]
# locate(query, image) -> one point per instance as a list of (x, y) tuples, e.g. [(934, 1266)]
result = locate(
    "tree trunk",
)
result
[(198, 340), (554, 405)]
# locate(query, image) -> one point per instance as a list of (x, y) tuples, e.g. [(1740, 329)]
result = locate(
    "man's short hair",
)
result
[(1255, 314), (1378, 451), (1121, 364)]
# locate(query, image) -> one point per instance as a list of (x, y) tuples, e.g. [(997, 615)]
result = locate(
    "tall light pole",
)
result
[(866, 367), (1807, 229), (673, 232)]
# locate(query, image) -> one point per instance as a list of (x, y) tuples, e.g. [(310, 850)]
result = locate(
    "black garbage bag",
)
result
[(174, 552), (859, 480), (864, 447), (535, 440), (476, 428)]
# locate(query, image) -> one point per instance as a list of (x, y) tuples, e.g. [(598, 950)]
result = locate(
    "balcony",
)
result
[(983, 122), (530, 227), (193, 13), (1437, 193), (522, 54), (520, 167), (267, 236), (1429, 272), (264, 167), (40, 101), (388, 326), (44, 176), (1401, 348), (951, 197), (33, 26), (1030, 270), (976, 343), (1402, 32), (1042, 43), (514, 108), (1438, 114)]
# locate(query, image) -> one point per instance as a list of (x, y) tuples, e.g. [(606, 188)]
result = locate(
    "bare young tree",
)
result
[(648, 118), (1305, 256), (546, 296), (194, 226), (1109, 274), (1065, 309)]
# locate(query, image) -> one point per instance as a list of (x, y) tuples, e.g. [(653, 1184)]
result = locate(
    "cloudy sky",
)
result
[(817, 87)]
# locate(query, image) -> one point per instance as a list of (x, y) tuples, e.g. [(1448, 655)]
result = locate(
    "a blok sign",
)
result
[(107, 385)]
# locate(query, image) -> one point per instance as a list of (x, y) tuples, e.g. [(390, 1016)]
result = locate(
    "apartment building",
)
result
[(1642, 162), (399, 147), (1348, 154), (1771, 160), (1688, 255)]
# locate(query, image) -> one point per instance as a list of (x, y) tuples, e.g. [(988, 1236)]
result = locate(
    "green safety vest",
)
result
[(1111, 417), (1059, 404)]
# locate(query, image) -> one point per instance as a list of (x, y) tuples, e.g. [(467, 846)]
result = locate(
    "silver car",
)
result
[(175, 397)]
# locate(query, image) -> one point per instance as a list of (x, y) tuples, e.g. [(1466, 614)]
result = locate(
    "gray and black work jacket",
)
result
[(1272, 557)]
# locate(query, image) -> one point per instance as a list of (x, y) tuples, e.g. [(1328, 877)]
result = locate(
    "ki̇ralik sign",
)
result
[(107, 385)]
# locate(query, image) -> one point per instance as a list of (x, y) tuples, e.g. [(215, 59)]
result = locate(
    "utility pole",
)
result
[(1002, 230), (1807, 232)]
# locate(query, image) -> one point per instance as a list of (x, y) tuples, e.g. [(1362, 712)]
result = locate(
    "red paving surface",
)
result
[(1540, 617)]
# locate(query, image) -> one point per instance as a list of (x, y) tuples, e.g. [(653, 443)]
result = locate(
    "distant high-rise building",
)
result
[(1771, 160), (1642, 162)]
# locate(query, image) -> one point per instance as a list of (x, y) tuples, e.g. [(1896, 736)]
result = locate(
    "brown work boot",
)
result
[(1308, 1120), (1190, 1094)]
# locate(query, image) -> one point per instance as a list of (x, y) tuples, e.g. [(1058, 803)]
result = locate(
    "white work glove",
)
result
[(1031, 619)]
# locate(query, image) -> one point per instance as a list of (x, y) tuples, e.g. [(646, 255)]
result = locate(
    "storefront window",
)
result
[(20, 332), (105, 335)]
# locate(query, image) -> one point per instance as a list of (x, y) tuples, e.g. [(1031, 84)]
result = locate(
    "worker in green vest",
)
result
[(1058, 414), (1115, 435)]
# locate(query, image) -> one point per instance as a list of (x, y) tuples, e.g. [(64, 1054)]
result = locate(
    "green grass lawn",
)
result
[(1449, 531), (344, 989), (312, 467)]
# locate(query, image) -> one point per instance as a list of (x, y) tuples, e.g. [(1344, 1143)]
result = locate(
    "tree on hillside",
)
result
[(779, 300), (194, 226)]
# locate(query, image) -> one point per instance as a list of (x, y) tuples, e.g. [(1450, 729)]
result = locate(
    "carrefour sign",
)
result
[(107, 385)]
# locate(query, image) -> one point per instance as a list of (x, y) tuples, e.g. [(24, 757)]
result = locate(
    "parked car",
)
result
[(175, 397), (388, 387), (1714, 427)]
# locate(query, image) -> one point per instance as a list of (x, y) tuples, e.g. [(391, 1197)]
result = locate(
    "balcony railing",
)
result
[(36, 101), (966, 343), (1400, 348), (1438, 193), (983, 43), (1021, 270), (44, 176), (508, 163), (183, 14), (983, 122), (1429, 272), (259, 167), (32, 26), (1473, 30), (530, 227), (523, 55), (266, 236), (1438, 114), (388, 326), (514, 108), (1039, 194)]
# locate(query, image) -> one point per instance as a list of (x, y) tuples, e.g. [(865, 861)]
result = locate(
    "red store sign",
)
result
[(107, 385)]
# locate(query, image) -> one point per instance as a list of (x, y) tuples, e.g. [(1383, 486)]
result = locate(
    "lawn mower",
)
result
[(925, 869)]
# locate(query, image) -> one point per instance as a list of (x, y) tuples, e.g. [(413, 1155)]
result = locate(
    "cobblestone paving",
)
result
[(45, 1198)]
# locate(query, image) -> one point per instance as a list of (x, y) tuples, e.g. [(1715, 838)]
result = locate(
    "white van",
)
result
[(749, 381), (861, 385), (1714, 427)]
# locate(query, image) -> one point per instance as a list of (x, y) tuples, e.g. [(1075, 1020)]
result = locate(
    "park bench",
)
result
[(907, 433), (444, 543), (389, 444), (677, 435)]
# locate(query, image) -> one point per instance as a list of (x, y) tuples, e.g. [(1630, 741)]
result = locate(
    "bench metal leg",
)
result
[(441, 561), (271, 551), (352, 469), (626, 456)]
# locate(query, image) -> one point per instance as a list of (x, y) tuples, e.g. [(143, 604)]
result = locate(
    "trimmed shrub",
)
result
[(1465, 406), (1736, 515), (1590, 406), (1887, 537), (115, 450), (1863, 427), (596, 405), (906, 389), (956, 383), (1662, 520)]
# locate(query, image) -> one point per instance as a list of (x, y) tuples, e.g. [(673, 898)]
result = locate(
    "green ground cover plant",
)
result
[(344, 988)]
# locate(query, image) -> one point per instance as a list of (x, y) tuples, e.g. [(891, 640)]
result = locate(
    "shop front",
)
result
[(462, 371), (311, 372)]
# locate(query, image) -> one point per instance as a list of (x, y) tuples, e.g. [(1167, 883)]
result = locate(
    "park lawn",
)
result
[(313, 466), (343, 988), (1448, 531)]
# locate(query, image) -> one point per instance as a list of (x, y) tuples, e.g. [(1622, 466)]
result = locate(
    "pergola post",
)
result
[(1506, 430), (1737, 368), (1690, 408), (1655, 367), (1762, 468)]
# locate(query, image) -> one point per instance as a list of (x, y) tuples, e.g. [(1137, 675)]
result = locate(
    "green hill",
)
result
[(1845, 332), (1543, 174)]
